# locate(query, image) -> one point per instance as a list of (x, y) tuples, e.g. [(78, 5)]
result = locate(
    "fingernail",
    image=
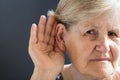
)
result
[(34, 26), (42, 18)]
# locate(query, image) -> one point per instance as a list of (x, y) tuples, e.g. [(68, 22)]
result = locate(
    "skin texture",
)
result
[(93, 47), (48, 59)]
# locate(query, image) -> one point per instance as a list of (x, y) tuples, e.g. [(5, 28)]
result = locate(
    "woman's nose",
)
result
[(103, 45)]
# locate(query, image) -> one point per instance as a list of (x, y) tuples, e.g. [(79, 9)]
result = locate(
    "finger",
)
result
[(49, 27), (33, 34), (41, 28), (53, 33), (57, 49)]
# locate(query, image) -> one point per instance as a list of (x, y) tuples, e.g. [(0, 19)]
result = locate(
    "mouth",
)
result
[(100, 59)]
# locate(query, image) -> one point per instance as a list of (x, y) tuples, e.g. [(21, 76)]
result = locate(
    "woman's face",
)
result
[(94, 46)]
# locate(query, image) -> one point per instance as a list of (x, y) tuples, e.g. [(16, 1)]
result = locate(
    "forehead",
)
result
[(108, 20)]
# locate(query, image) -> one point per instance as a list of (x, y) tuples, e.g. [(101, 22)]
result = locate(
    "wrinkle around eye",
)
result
[(92, 34), (112, 34)]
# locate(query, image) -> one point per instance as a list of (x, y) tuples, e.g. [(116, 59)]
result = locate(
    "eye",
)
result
[(92, 32), (113, 34)]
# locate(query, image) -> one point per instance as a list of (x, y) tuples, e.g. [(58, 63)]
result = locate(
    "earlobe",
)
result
[(60, 30)]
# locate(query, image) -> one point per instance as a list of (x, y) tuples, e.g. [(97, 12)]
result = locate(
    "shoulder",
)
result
[(67, 66), (65, 72)]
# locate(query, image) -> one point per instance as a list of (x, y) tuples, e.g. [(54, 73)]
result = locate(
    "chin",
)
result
[(103, 73), (101, 70)]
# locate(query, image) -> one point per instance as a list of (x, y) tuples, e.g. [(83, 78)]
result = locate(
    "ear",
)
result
[(60, 30)]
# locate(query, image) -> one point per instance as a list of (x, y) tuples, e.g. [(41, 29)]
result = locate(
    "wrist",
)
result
[(39, 74)]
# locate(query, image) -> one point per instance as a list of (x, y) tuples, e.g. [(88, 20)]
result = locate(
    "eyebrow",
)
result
[(116, 27), (87, 27), (92, 26), (116, 30)]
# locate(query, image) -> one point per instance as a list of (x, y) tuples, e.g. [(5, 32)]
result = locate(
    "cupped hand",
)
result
[(43, 49)]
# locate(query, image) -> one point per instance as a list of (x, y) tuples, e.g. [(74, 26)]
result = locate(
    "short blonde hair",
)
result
[(69, 12)]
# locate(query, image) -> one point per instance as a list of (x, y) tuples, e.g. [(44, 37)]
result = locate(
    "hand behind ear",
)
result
[(43, 48)]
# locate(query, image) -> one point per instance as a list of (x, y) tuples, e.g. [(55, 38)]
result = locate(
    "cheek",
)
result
[(79, 51), (115, 51), (84, 50)]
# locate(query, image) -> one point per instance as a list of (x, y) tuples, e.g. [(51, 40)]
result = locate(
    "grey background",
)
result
[(16, 17)]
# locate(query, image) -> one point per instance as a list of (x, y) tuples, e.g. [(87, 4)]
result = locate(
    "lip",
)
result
[(100, 59)]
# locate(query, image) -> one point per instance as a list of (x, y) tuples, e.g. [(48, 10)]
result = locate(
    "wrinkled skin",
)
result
[(93, 47)]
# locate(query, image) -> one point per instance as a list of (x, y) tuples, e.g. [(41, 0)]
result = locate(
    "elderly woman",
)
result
[(88, 30)]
